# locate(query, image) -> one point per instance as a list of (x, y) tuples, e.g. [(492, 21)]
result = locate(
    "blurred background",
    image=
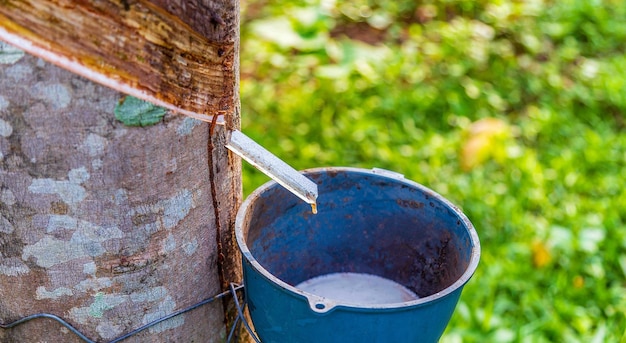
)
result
[(513, 110)]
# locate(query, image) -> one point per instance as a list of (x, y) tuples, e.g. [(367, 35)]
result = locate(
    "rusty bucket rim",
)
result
[(321, 304)]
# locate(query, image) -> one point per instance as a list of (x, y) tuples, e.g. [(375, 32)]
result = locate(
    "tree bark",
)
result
[(180, 54), (108, 226)]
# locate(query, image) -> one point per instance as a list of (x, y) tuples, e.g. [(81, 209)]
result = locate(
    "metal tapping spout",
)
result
[(273, 167)]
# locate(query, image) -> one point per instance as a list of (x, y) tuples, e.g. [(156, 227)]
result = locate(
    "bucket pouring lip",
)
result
[(322, 305)]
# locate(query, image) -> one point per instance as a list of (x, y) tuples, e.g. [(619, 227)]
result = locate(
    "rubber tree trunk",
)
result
[(105, 225)]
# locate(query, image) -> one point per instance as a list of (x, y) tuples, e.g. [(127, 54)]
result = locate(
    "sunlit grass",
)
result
[(543, 182)]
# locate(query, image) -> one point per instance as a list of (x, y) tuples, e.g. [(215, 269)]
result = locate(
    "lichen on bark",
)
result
[(136, 112)]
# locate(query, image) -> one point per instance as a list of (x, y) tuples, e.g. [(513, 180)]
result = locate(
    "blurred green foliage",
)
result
[(513, 110)]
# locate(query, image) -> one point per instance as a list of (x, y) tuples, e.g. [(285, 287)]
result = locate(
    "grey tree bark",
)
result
[(105, 225)]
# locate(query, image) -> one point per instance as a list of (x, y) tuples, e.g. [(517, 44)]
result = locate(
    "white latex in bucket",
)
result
[(357, 288)]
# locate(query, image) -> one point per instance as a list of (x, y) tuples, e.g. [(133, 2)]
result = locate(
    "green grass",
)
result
[(407, 85)]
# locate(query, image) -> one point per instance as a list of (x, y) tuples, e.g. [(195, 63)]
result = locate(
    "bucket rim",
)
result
[(329, 304)]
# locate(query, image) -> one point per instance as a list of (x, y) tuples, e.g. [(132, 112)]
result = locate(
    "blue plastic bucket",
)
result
[(371, 222)]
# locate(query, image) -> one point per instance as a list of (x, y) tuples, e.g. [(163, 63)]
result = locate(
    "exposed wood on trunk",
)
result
[(137, 47)]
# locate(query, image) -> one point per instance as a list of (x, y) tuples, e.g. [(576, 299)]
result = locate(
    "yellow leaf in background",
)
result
[(484, 141), (475, 151), (489, 126), (578, 282), (541, 255)]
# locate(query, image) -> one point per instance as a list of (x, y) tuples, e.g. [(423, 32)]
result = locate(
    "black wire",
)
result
[(240, 311), (185, 310), (234, 329), (233, 290), (50, 316)]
